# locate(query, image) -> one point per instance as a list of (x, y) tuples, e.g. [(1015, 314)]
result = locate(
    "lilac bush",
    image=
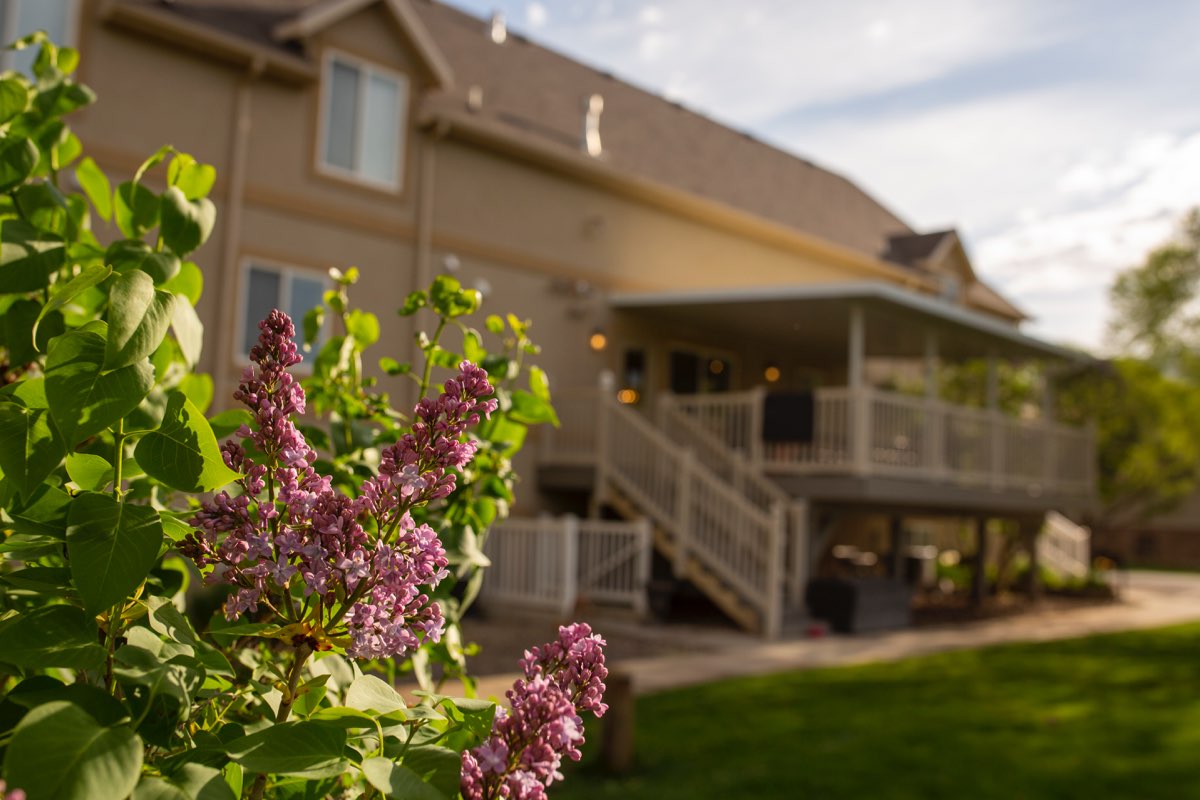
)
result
[(292, 542), (521, 758)]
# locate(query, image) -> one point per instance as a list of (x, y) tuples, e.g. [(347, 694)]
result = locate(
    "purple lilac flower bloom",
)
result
[(10, 794), (522, 756), (306, 535)]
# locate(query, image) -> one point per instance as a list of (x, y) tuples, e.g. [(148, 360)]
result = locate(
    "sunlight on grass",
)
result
[(1109, 716)]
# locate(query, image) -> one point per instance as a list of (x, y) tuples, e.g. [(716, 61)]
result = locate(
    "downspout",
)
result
[(423, 240), (234, 201)]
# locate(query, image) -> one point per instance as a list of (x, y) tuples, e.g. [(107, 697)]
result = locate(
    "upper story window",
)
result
[(363, 121), (22, 17), (293, 290)]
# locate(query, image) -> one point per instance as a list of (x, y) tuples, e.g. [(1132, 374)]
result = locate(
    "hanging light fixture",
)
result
[(772, 373)]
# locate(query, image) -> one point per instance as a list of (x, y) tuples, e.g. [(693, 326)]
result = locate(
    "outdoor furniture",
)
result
[(855, 605)]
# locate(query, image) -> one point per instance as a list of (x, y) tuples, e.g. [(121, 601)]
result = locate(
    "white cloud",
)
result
[(650, 15), (536, 15)]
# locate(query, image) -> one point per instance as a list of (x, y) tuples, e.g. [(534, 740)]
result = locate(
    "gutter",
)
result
[(205, 40)]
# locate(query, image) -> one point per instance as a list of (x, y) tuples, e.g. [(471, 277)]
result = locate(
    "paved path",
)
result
[(1148, 600)]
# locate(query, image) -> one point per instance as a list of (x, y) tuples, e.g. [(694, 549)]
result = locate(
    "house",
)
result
[(719, 317)]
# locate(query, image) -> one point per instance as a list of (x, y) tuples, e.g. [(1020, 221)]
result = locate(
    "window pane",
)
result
[(262, 296), (306, 293), (381, 135), (36, 15), (342, 108)]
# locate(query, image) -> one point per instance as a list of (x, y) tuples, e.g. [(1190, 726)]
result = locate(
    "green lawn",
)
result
[(1105, 717)]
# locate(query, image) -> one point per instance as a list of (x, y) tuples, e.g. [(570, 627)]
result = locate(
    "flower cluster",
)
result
[(14, 794), (414, 470), (522, 756), (306, 535)]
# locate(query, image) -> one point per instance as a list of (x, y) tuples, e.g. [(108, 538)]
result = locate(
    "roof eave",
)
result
[(480, 130), (207, 40)]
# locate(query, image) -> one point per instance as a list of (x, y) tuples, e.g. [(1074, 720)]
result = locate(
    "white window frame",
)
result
[(287, 272), (11, 13), (366, 69)]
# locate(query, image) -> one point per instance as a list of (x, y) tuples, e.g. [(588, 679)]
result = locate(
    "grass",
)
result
[(1104, 717)]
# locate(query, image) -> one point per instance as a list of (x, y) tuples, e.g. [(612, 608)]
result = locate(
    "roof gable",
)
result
[(320, 16)]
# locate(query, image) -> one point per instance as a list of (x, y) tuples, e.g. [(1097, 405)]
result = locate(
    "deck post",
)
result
[(570, 563), (979, 578), (776, 543), (757, 405), (600, 469), (859, 410), (798, 568), (683, 510), (995, 422), (935, 420), (896, 525), (645, 538)]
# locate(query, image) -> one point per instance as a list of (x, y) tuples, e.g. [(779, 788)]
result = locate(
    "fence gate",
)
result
[(549, 564)]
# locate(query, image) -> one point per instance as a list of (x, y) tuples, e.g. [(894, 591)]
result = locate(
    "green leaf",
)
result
[(189, 330), (225, 423), (14, 98), (18, 157), (539, 383), (83, 402), (189, 282), (135, 209), (112, 546), (391, 366), (151, 788), (363, 326), (58, 751), (439, 766), (473, 349), (44, 513), (413, 303), (314, 319), (369, 693), (183, 453), (29, 448), (51, 636), (307, 749), (531, 410), (27, 257), (95, 185), (494, 324), (64, 293), (199, 389), (192, 178), (20, 321), (90, 472), (398, 781), (126, 255), (186, 224), (44, 207), (138, 318)]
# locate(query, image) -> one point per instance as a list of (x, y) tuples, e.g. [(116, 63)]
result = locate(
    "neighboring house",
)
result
[(745, 301)]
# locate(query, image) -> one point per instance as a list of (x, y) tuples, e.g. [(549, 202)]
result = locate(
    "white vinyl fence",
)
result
[(550, 563)]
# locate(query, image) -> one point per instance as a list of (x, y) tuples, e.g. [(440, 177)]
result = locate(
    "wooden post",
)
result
[(798, 579), (935, 420), (683, 510), (600, 469), (897, 536), (776, 540), (616, 742), (756, 426), (979, 579), (1033, 580), (570, 563), (860, 446), (995, 422), (645, 558)]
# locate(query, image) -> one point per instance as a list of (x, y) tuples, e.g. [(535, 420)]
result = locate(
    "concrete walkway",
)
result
[(1147, 600)]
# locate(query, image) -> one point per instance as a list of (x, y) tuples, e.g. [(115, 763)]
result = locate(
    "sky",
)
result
[(1061, 138)]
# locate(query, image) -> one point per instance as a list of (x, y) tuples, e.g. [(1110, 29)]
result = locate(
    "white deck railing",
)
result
[(549, 564), (1064, 546), (872, 432)]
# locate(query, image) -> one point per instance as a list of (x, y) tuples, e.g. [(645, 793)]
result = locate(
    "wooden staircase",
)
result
[(714, 530)]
